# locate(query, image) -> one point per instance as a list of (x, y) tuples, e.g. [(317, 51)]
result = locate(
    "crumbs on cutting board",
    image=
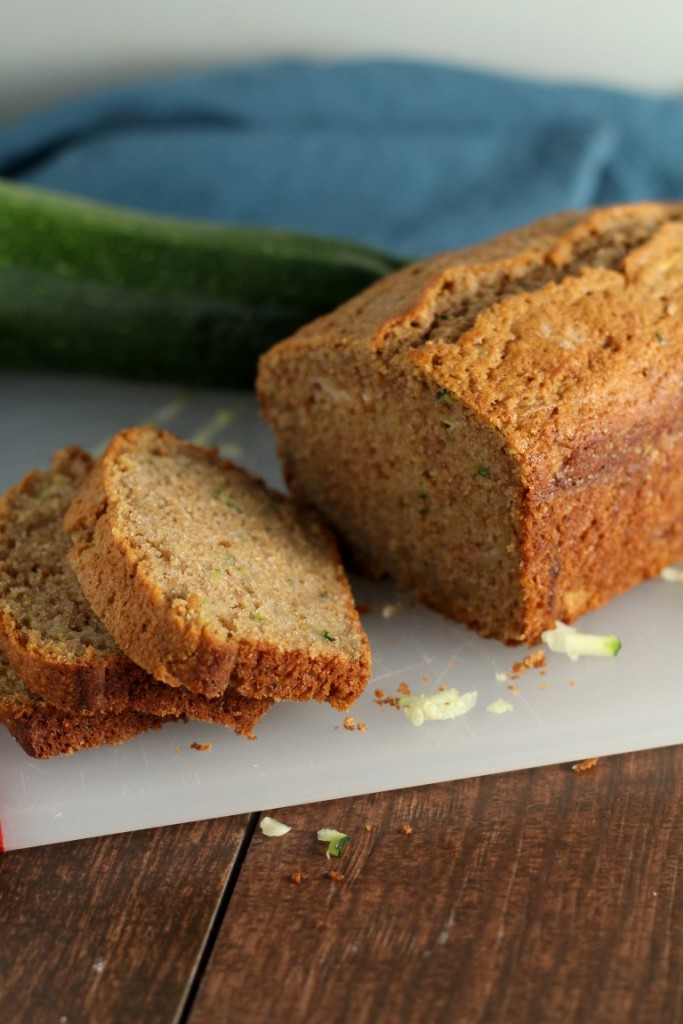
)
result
[(351, 725), (381, 698), (201, 746), (534, 660)]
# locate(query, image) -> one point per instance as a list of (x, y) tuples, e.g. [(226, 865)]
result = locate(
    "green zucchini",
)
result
[(94, 288)]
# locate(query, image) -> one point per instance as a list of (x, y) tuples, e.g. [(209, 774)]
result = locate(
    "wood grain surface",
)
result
[(111, 929), (538, 896)]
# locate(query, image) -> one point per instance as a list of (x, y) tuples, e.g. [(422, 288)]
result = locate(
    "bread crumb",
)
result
[(297, 877), (534, 660), (336, 876), (177, 750), (585, 765), (319, 923), (513, 688), (381, 698), (351, 725), (368, 828), (406, 830), (425, 679), (405, 689), (201, 746)]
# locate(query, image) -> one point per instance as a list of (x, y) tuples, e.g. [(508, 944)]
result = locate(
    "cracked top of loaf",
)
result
[(559, 335)]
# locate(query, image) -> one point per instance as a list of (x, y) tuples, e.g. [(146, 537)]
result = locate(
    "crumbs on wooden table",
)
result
[(585, 765)]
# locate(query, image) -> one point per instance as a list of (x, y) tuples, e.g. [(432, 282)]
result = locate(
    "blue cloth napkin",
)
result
[(409, 157)]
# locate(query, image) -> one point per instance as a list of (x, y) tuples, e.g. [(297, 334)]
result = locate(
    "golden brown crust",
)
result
[(147, 570), (166, 637), (514, 413), (51, 731), (44, 731)]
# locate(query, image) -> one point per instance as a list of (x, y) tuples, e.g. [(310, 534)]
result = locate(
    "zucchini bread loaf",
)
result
[(501, 428)]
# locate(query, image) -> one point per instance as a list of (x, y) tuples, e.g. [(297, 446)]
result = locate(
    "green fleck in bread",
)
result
[(45, 731), (502, 428), (52, 637), (210, 580)]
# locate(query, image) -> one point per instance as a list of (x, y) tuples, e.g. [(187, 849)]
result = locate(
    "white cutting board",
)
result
[(303, 753)]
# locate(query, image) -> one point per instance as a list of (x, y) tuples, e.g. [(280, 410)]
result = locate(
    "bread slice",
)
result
[(44, 731), (50, 634), (501, 429), (210, 580)]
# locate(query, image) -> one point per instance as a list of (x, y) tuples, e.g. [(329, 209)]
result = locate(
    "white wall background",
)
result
[(52, 49)]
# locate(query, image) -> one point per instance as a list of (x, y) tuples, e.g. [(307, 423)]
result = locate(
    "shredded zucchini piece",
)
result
[(672, 574), (500, 706), (567, 640), (336, 841), (437, 707), (273, 827)]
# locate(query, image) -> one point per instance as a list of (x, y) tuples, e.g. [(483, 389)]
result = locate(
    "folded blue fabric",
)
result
[(410, 157)]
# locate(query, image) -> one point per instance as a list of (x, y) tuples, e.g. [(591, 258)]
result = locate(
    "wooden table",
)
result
[(538, 896)]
